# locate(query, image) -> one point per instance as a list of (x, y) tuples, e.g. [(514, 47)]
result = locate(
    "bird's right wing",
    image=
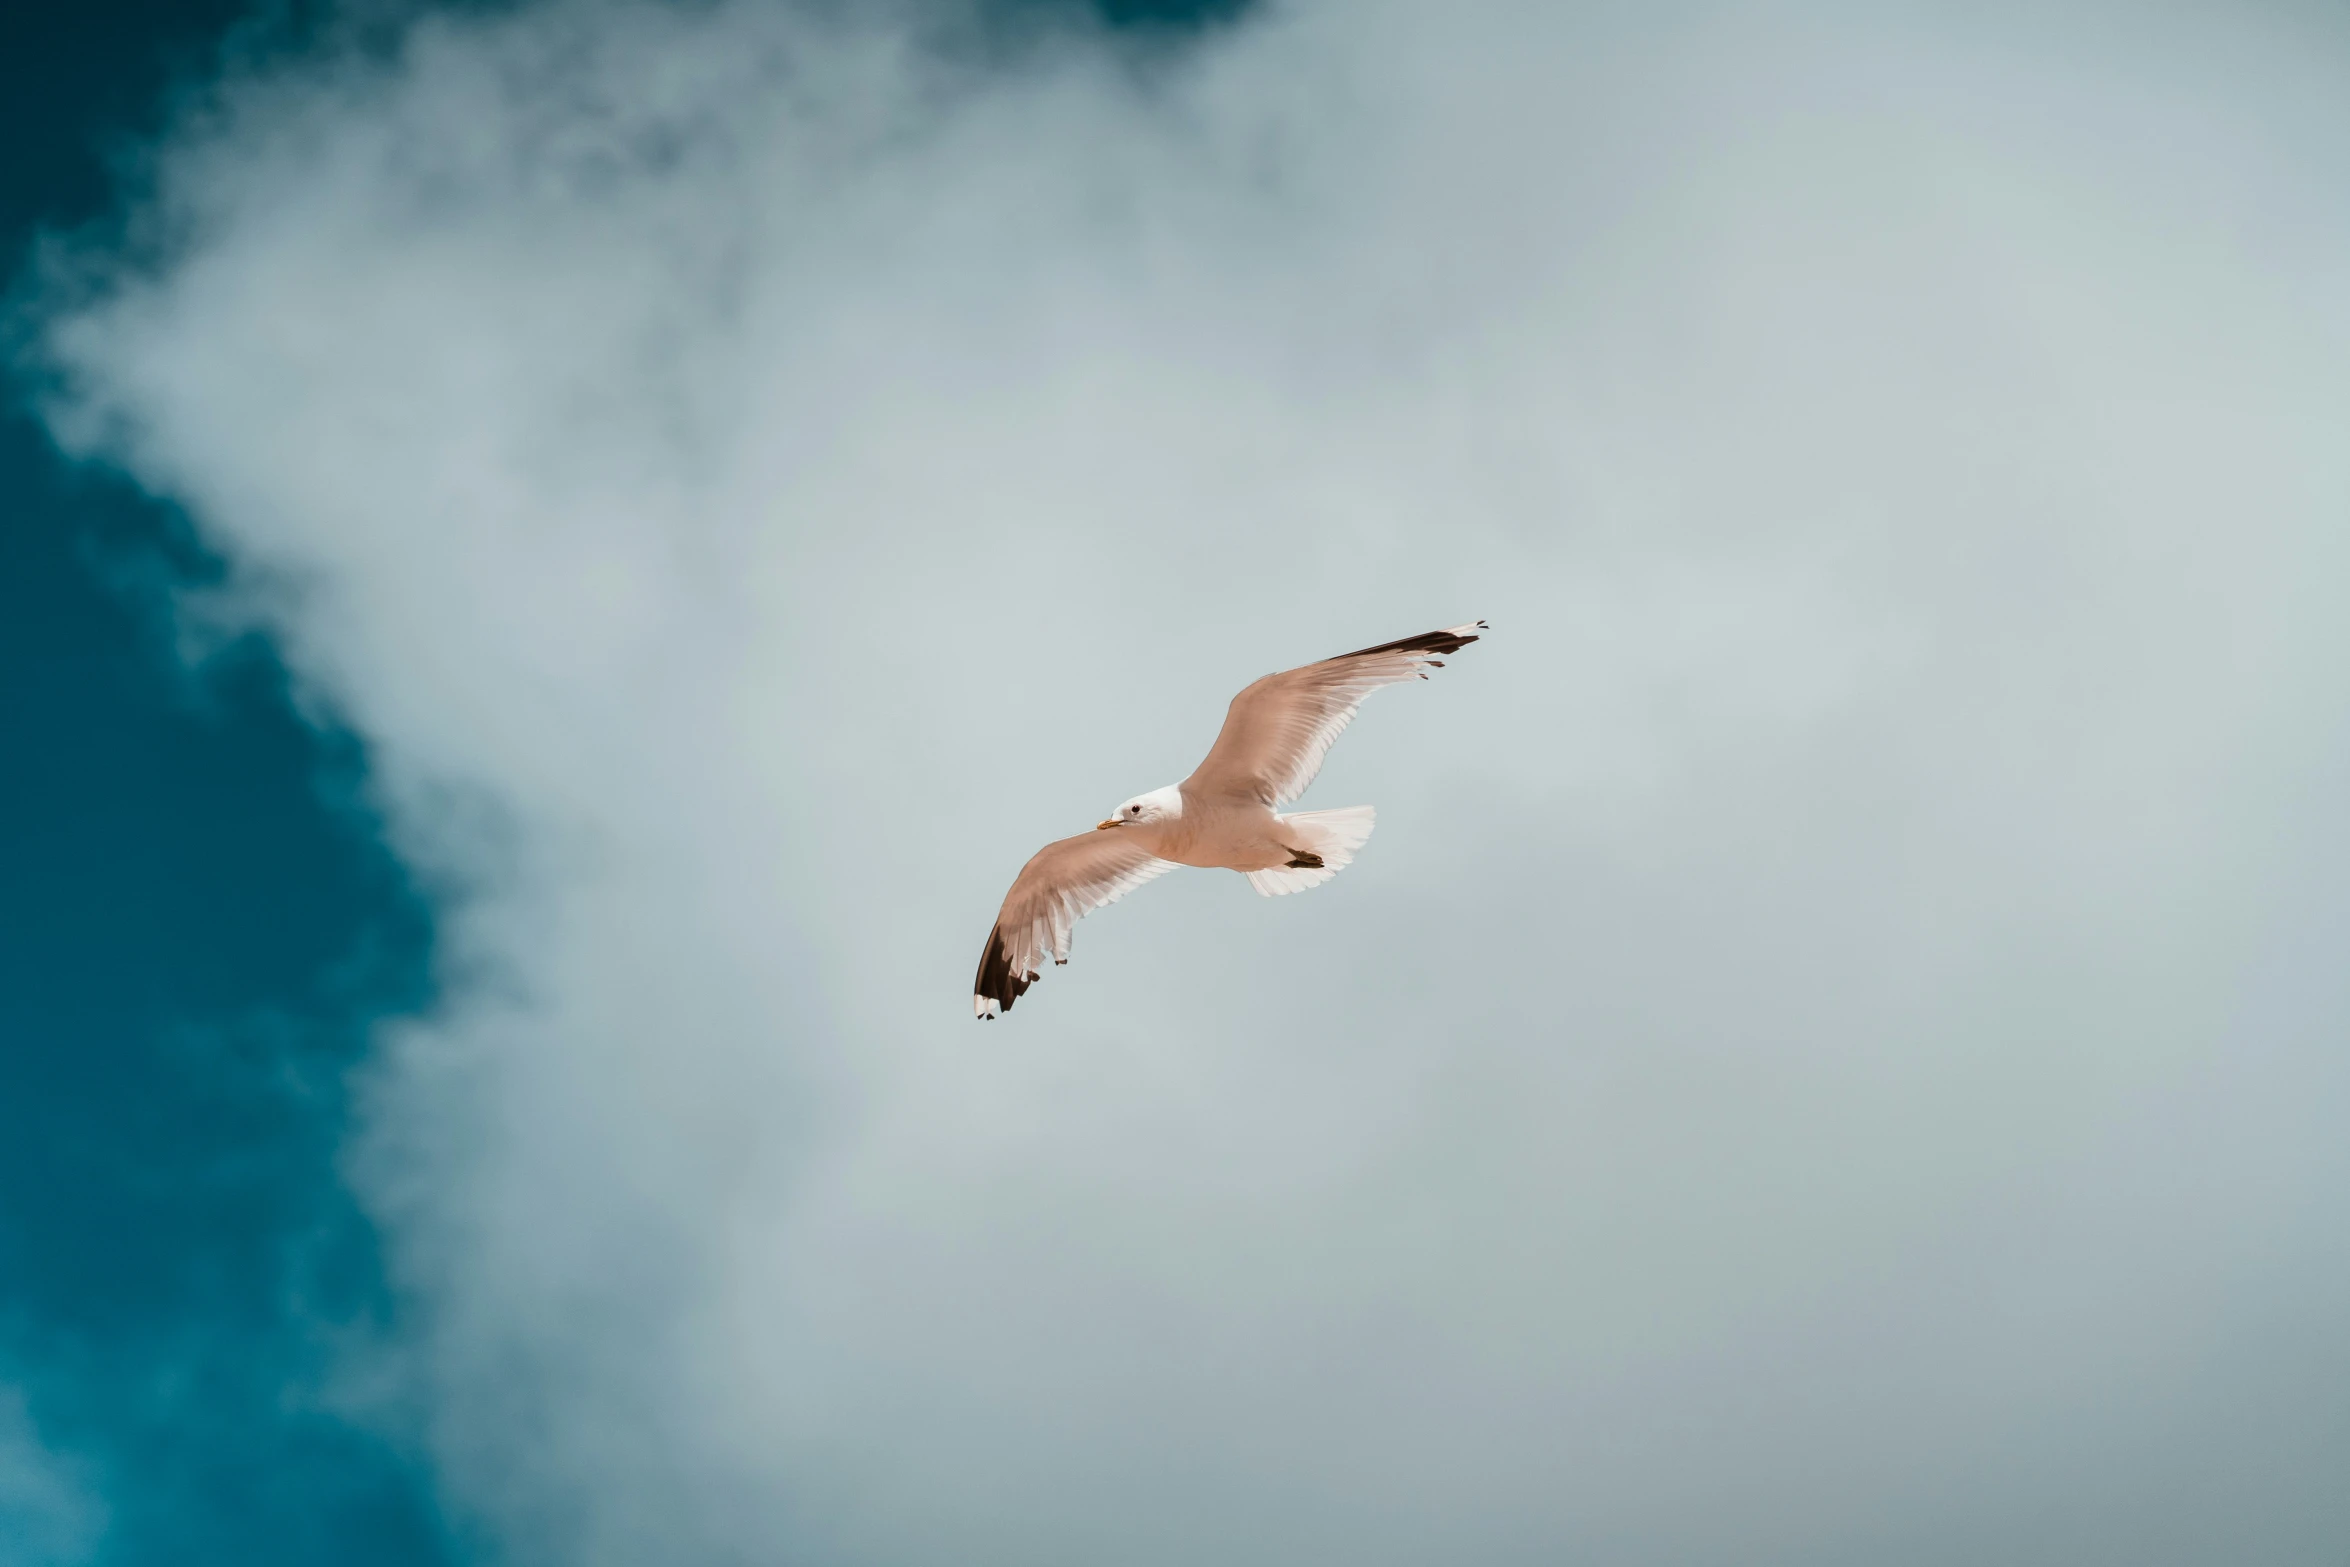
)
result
[(1280, 728), (1063, 883)]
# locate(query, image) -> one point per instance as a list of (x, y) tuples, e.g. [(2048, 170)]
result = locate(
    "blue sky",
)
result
[(609, 530), (200, 926)]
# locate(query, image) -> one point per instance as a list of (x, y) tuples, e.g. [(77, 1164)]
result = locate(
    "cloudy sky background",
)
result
[(1835, 1052)]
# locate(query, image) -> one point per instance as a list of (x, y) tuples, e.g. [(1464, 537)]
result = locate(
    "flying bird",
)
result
[(1272, 744)]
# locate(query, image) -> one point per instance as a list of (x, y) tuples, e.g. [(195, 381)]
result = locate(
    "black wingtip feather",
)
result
[(997, 982), (1426, 641)]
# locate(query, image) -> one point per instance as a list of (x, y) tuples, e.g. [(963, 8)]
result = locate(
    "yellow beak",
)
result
[(1112, 822)]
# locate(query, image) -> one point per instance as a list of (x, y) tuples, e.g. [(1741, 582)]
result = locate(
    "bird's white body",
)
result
[(1246, 836), (1223, 817)]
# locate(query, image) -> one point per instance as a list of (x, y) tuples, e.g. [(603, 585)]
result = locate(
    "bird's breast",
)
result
[(1217, 837)]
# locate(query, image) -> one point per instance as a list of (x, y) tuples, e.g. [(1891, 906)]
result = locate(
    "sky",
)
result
[(200, 925), (562, 554)]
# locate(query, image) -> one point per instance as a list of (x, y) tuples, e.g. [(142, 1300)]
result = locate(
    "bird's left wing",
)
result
[(1063, 883), (1278, 730)]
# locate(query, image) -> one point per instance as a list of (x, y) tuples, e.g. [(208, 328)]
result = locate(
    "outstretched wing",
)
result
[(1063, 883), (1279, 729)]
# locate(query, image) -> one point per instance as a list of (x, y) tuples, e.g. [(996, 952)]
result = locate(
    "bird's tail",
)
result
[(1334, 835)]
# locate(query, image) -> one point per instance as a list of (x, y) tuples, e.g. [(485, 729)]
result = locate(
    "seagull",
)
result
[(1272, 744)]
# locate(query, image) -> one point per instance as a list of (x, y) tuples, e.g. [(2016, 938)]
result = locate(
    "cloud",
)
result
[(48, 1514), (1827, 1058)]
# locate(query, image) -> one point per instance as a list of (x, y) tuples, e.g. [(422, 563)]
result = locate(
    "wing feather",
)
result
[(1062, 883), (1279, 729)]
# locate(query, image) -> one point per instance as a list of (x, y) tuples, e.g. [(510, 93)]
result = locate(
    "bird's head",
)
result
[(1160, 805)]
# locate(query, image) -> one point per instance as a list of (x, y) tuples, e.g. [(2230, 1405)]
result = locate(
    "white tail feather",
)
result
[(1334, 835)]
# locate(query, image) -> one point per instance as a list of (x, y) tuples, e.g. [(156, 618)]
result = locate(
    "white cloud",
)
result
[(48, 1516), (1824, 1059)]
